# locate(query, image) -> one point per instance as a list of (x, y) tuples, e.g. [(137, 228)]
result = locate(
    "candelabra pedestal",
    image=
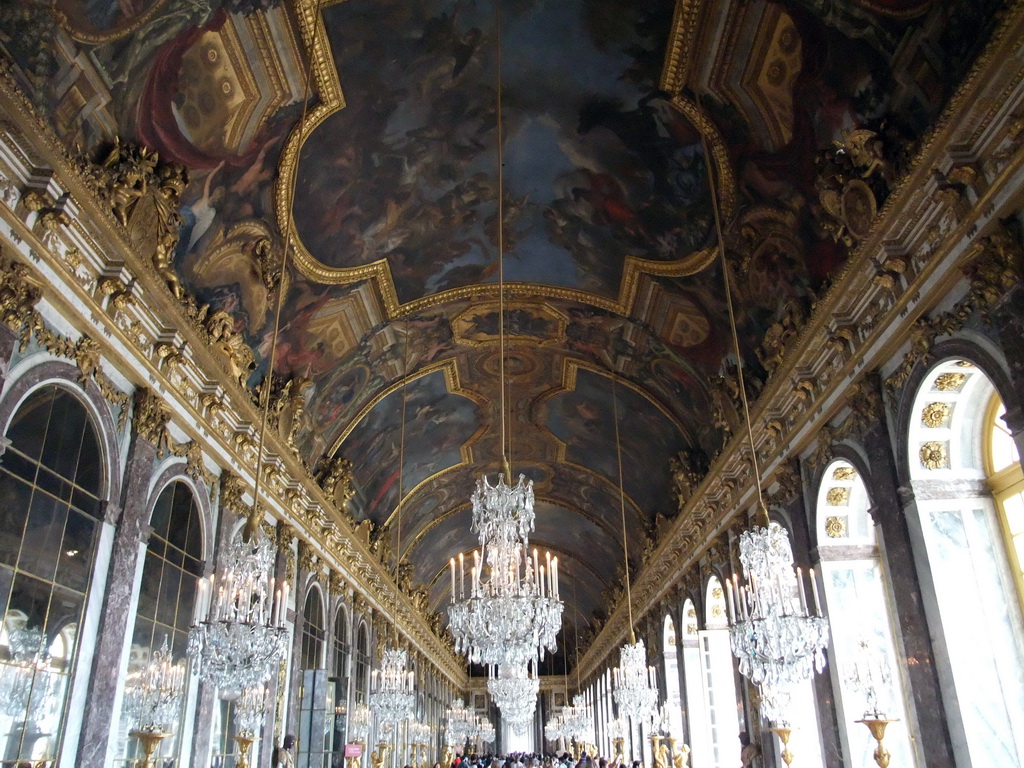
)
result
[(877, 727), (658, 752), (244, 745), (618, 745), (783, 734), (353, 761), (149, 741), (681, 756), (379, 755)]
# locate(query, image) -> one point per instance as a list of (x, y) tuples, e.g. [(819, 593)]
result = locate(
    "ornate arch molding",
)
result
[(966, 345), (30, 375), (852, 452), (175, 471)]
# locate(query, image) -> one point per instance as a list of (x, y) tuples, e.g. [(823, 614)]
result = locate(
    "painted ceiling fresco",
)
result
[(608, 236)]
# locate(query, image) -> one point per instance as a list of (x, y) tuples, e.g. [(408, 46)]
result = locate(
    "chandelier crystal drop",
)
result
[(153, 694), (635, 685), (26, 681), (242, 638), (392, 689), (776, 639), (512, 610), (514, 690)]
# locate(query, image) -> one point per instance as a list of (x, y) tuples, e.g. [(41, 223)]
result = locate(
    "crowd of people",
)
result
[(535, 760)]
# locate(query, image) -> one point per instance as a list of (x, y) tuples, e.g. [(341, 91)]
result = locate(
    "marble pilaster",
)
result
[(116, 617), (8, 339), (208, 701), (1009, 319), (908, 605)]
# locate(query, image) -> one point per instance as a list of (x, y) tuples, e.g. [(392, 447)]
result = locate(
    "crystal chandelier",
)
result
[(359, 723), (392, 689), (578, 721), (773, 634), (461, 724), (514, 610), (26, 683), (250, 707), (419, 733), (484, 732), (153, 694), (240, 642), (554, 729), (514, 690), (634, 684)]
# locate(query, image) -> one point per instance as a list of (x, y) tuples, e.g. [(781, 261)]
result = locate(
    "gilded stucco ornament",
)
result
[(934, 455), (838, 496), (844, 473), (855, 176), (835, 527), (335, 477), (686, 476), (952, 381), (19, 292), (937, 414), (150, 416), (781, 334)]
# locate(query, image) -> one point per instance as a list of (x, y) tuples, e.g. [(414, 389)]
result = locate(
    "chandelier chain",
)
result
[(740, 382), (282, 281), (622, 507)]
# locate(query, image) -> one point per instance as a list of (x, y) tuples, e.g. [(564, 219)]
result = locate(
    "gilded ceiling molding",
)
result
[(928, 232), (327, 86)]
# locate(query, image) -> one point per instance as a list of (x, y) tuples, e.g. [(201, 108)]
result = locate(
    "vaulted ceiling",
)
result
[(384, 184)]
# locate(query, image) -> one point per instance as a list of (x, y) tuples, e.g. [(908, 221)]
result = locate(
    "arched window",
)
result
[(362, 665), (693, 680), (970, 576), (1006, 480), (340, 683), (50, 493), (167, 594), (858, 609), (674, 700), (313, 631), (722, 722)]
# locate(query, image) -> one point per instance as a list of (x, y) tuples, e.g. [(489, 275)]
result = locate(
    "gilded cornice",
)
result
[(862, 322), (138, 326)]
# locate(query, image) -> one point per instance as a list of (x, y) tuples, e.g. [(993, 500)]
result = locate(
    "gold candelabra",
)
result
[(618, 745), (149, 741), (379, 755), (877, 727), (783, 734), (244, 743), (353, 761), (681, 756), (659, 751)]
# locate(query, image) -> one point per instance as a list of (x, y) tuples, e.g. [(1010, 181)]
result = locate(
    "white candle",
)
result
[(536, 570), (453, 579), (554, 578), (547, 559), (543, 582), (732, 606), (462, 576), (814, 589), (800, 591)]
